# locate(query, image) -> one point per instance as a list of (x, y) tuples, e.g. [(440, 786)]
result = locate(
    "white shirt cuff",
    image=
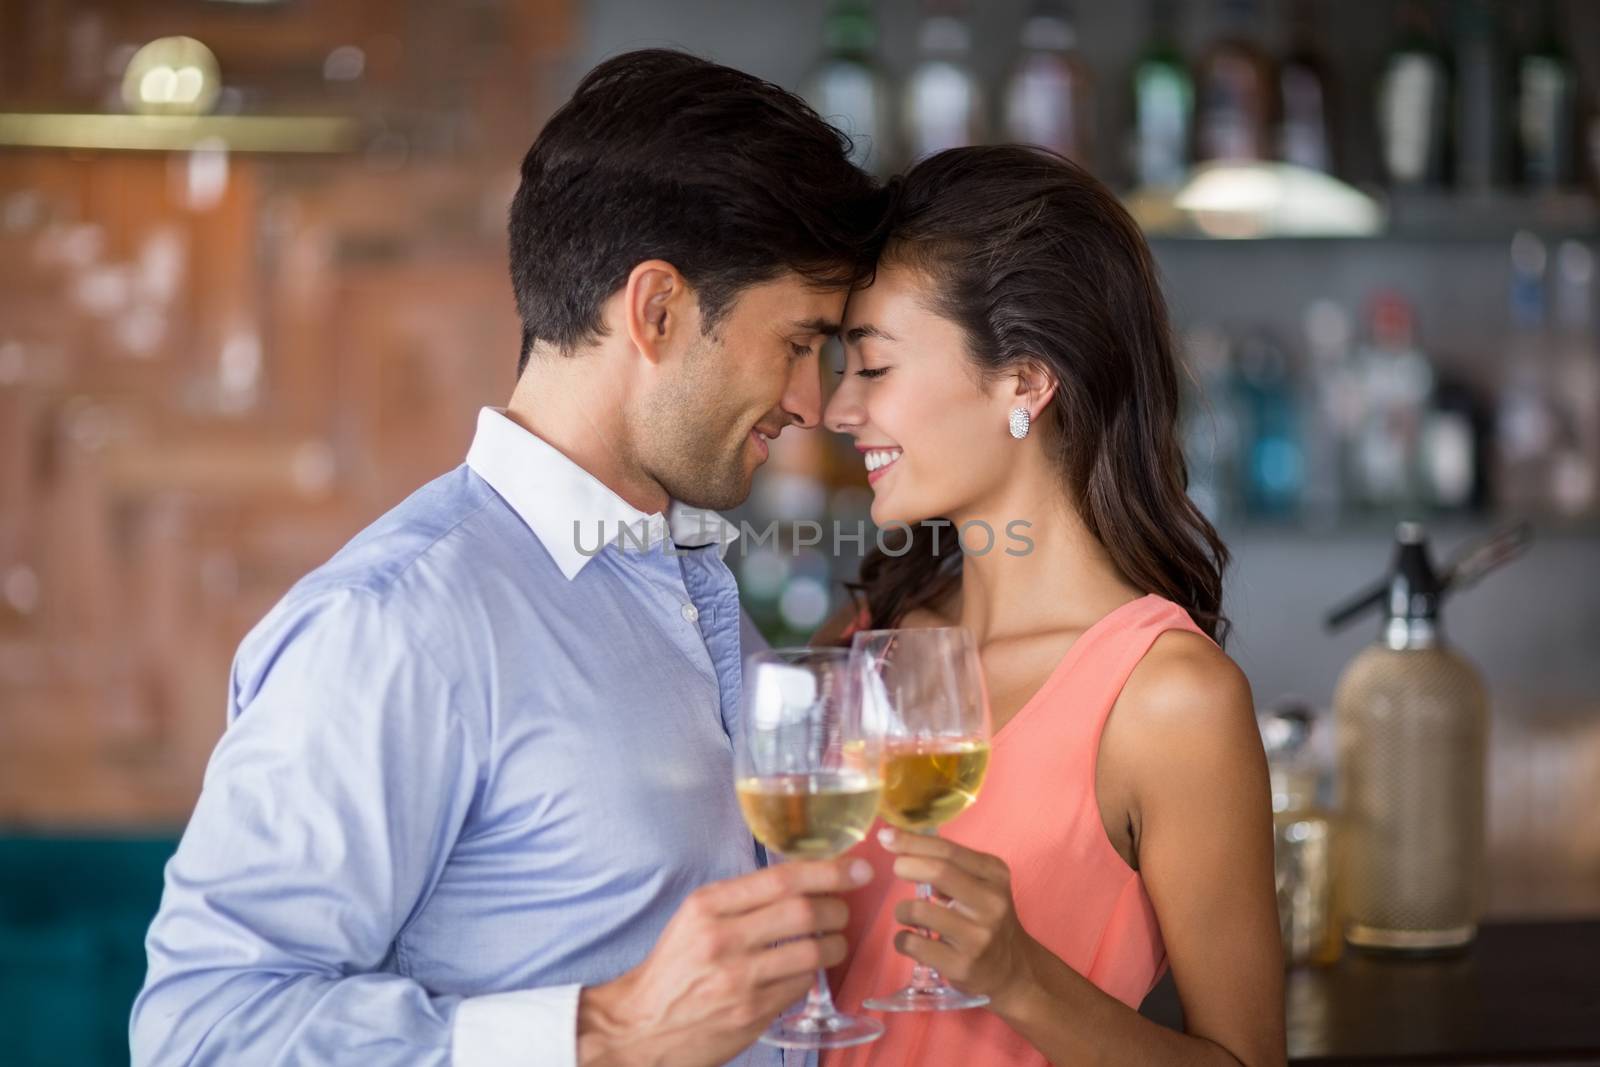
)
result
[(524, 1028)]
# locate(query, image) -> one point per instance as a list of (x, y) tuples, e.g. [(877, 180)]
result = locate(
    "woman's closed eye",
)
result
[(866, 372)]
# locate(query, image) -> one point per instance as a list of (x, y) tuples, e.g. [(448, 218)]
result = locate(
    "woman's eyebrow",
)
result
[(856, 334)]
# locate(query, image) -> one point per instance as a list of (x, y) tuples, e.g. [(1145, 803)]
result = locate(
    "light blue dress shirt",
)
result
[(470, 765)]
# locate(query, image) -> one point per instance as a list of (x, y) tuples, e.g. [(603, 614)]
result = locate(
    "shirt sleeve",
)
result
[(328, 811), (525, 1028)]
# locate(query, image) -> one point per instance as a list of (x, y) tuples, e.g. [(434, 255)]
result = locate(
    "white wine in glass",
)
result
[(923, 689), (809, 816), (807, 772), (926, 783)]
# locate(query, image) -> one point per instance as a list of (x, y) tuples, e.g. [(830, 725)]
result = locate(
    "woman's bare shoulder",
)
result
[(1185, 692), (1182, 664)]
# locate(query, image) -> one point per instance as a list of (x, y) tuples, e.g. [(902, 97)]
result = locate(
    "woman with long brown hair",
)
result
[(1010, 380)]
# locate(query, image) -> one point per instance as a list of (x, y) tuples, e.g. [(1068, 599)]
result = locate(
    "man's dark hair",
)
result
[(663, 155)]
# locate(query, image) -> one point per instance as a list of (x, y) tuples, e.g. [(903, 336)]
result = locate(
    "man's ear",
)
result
[(658, 307)]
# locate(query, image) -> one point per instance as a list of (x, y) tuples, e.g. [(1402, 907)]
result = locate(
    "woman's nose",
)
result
[(842, 414)]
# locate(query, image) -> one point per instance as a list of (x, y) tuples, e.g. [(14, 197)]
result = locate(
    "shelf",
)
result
[(179, 133), (1493, 216), (1447, 530), (1415, 217)]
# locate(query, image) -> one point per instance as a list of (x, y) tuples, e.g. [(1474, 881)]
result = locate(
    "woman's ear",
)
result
[(1035, 386)]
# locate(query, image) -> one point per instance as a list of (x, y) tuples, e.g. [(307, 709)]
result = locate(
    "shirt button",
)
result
[(691, 613)]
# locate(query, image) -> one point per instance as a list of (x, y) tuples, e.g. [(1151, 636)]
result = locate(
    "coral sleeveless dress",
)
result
[(1037, 811)]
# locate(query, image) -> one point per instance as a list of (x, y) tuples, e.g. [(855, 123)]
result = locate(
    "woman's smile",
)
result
[(878, 461)]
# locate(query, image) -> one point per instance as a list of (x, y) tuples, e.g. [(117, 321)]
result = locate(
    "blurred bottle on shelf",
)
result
[(1575, 467), (1235, 91), (1455, 447), (1482, 147), (944, 103), (1209, 428), (1048, 97), (1305, 134), (1332, 402), (1413, 104), (1163, 104), (1525, 422), (1395, 382), (1546, 99), (1273, 465), (848, 87)]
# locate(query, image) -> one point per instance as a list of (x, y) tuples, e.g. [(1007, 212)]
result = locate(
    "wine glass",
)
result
[(806, 770), (923, 689)]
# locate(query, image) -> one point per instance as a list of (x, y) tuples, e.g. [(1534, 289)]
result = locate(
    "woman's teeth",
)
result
[(881, 458)]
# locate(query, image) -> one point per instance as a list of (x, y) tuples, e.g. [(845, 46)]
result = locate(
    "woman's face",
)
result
[(935, 442)]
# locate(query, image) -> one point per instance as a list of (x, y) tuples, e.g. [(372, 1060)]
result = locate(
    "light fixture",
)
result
[(1247, 198), (172, 76), (171, 88)]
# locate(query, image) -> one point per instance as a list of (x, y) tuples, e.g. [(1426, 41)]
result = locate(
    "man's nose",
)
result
[(803, 398)]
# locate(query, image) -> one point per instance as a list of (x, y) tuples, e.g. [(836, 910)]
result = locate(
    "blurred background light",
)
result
[(172, 76), (1255, 199)]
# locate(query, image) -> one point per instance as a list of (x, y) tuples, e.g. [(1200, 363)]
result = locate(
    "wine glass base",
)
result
[(831, 1031), (939, 998)]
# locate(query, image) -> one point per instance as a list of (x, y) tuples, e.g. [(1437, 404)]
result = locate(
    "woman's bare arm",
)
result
[(1185, 736)]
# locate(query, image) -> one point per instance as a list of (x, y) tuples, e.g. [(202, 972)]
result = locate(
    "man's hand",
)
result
[(735, 955)]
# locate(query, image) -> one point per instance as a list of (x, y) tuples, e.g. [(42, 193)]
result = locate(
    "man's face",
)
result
[(756, 373)]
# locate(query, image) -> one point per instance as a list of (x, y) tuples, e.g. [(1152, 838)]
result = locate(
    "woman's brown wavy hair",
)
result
[(1037, 261)]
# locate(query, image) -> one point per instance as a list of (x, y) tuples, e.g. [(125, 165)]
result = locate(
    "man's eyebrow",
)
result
[(856, 334), (825, 327)]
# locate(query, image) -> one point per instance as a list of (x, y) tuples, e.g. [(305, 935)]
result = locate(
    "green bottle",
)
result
[(1163, 107)]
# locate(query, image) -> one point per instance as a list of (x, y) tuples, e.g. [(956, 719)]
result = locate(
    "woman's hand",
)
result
[(983, 947)]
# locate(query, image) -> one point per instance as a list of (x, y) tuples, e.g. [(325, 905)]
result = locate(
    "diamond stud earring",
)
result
[(1019, 422)]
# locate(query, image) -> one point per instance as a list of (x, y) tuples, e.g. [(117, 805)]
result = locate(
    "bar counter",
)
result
[(1522, 993)]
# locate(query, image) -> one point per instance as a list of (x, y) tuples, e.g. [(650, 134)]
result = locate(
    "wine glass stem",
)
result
[(923, 976), (819, 1002)]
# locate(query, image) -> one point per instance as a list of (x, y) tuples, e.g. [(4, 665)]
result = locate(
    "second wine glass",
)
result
[(807, 778), (923, 690)]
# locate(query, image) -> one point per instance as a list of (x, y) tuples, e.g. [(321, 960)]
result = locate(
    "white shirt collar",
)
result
[(569, 509)]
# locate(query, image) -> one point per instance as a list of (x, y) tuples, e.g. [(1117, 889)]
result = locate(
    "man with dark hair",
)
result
[(475, 802)]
